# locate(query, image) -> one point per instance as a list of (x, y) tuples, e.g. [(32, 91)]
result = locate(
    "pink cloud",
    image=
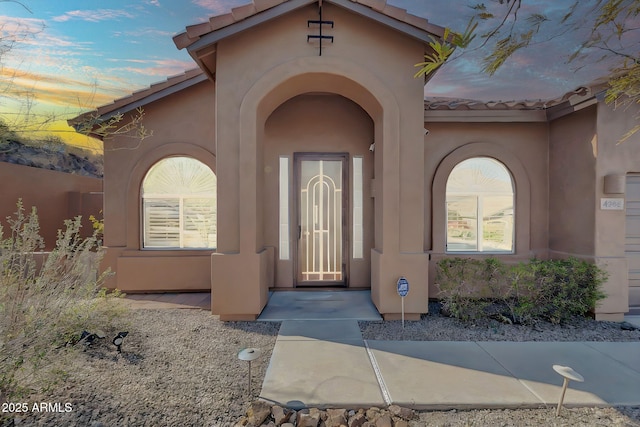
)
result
[(54, 89), (159, 68)]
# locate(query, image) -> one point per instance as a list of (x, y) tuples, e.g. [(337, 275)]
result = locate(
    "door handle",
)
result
[(299, 232)]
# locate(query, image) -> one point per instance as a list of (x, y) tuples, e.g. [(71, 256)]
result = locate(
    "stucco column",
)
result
[(610, 256), (240, 278), (399, 207)]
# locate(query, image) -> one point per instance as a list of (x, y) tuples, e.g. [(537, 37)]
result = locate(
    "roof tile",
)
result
[(261, 5), (143, 93), (220, 21), (416, 21), (377, 5), (182, 40), (242, 12), (395, 12), (194, 31)]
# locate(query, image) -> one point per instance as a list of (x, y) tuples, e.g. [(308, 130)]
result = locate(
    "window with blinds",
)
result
[(179, 205)]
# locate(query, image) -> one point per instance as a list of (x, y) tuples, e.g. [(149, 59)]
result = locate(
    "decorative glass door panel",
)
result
[(321, 220)]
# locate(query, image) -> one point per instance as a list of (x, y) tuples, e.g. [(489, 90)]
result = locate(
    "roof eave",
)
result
[(215, 36), (421, 34), (571, 106), (107, 113), (485, 116)]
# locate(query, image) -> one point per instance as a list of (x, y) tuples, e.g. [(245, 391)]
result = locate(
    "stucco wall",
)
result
[(572, 183), (614, 158), (56, 195), (182, 124), (522, 148)]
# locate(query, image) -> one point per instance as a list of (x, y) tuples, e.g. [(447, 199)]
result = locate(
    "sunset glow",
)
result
[(65, 58)]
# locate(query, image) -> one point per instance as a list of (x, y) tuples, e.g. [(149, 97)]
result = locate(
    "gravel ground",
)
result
[(177, 368), (180, 368), (434, 327)]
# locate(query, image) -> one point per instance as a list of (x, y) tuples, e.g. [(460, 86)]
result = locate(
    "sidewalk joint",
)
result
[(386, 395)]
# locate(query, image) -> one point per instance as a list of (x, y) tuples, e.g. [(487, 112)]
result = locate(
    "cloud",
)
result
[(19, 30), (94, 15), (218, 6), (84, 92), (34, 88), (142, 32), (153, 67)]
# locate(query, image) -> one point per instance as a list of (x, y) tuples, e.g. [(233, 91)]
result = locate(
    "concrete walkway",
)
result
[(319, 305), (328, 364)]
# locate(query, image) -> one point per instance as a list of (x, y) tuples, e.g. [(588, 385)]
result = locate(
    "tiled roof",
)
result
[(144, 96), (154, 88), (455, 109), (459, 104), (193, 33)]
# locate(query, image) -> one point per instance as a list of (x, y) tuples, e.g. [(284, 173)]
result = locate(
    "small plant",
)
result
[(46, 300), (98, 225), (549, 290)]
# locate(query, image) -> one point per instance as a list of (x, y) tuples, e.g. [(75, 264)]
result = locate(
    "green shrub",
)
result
[(557, 290), (46, 300), (550, 290), (468, 286)]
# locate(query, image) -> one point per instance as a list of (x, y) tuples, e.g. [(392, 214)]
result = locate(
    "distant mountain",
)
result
[(57, 157)]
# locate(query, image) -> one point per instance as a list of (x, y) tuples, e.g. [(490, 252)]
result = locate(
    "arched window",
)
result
[(179, 205), (480, 207)]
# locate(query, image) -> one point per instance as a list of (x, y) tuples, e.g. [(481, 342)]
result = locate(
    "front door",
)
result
[(321, 205)]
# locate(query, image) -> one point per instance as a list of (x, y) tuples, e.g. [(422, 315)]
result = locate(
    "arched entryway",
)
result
[(317, 172), (244, 268)]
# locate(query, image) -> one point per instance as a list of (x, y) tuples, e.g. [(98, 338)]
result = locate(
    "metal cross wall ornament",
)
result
[(320, 23)]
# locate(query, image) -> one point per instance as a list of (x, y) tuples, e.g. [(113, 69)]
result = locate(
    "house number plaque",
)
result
[(611, 204)]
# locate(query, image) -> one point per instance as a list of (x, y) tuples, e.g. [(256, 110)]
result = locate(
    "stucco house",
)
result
[(301, 153)]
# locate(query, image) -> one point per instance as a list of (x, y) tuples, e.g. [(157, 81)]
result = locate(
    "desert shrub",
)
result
[(468, 286), (557, 290), (46, 300), (550, 290)]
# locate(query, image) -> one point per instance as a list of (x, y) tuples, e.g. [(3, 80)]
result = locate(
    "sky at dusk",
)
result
[(70, 56)]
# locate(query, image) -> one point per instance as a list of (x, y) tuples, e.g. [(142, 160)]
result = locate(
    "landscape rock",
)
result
[(258, 412), (372, 414), (399, 422), (308, 419), (336, 417), (384, 420), (357, 420), (280, 415), (400, 412)]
